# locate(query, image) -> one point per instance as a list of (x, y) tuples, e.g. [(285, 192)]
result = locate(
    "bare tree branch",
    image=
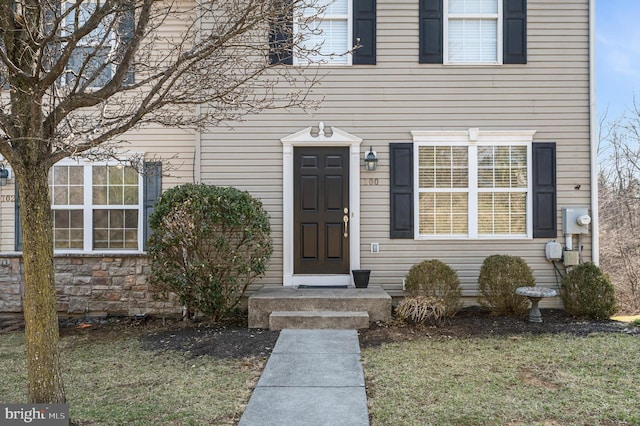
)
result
[(619, 199), (82, 73)]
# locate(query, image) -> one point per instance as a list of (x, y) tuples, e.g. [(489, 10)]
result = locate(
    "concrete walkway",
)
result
[(313, 377)]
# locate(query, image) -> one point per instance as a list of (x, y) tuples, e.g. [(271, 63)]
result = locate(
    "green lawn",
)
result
[(523, 380), (116, 382)]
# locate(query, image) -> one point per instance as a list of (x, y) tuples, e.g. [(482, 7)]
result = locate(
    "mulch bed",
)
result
[(234, 340), (476, 322)]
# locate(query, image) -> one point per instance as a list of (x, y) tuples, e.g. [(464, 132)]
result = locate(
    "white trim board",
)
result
[(319, 136)]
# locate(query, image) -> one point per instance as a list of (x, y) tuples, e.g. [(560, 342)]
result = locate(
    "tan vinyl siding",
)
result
[(383, 103), (174, 147)]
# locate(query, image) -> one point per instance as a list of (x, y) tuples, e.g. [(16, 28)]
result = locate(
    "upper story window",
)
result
[(96, 206), (473, 31), (90, 61), (326, 30), (95, 56)]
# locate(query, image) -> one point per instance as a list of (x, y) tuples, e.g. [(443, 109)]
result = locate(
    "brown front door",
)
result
[(321, 203)]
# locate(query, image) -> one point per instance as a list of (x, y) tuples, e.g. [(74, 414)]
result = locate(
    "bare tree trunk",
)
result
[(40, 313), (43, 121)]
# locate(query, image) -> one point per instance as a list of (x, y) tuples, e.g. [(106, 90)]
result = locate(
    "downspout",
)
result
[(595, 237), (197, 155)]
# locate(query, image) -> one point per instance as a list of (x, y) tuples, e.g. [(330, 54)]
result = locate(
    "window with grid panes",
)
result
[(477, 190), (96, 207), (502, 190), (444, 190)]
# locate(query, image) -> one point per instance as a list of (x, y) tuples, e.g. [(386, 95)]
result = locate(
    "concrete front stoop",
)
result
[(349, 320), (279, 308)]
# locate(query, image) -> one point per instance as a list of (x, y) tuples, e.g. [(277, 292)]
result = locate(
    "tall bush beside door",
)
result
[(208, 245)]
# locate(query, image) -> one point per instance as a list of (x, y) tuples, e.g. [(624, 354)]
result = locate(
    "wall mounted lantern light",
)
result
[(370, 160), (4, 175)]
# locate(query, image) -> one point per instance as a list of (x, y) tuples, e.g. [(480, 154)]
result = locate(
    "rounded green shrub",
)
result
[(587, 292), (435, 279), (208, 244), (500, 276)]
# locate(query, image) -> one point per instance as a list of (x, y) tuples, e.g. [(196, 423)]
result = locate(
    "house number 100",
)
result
[(371, 181)]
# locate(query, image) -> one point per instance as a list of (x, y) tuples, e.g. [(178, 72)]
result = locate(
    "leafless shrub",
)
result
[(420, 309)]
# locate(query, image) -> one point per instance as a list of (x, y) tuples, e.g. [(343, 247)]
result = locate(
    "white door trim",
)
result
[(319, 136)]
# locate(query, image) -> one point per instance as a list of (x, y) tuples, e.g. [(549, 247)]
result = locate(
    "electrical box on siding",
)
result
[(553, 251), (575, 220), (571, 258)]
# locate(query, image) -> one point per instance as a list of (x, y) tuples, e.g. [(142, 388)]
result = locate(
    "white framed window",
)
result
[(96, 206), (473, 31), (473, 184), (97, 54), (90, 60), (443, 182), (325, 29)]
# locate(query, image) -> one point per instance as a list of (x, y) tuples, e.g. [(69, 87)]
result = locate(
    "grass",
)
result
[(523, 380), (518, 380), (116, 382)]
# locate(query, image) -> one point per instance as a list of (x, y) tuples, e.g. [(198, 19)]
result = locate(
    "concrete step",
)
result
[(373, 300), (336, 320)]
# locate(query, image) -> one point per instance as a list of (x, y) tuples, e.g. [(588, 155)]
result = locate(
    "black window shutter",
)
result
[(544, 189), (152, 190), (18, 225), (431, 28), (401, 186), (514, 21), (281, 39), (126, 29), (364, 30)]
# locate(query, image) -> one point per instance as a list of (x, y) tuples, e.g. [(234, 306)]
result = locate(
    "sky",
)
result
[(617, 56)]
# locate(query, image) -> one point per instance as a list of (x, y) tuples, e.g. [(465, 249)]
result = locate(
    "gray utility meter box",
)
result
[(575, 220)]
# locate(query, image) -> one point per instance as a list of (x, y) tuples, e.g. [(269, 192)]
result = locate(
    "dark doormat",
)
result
[(322, 286)]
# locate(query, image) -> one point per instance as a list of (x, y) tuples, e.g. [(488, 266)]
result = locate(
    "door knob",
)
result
[(345, 219)]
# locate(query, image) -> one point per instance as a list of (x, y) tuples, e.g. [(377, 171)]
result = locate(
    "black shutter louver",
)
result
[(431, 31), (152, 190), (401, 189), (18, 225), (544, 189), (514, 32), (364, 31), (126, 29), (281, 39)]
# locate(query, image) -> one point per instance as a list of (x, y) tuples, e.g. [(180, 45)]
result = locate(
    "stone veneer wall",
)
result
[(90, 284)]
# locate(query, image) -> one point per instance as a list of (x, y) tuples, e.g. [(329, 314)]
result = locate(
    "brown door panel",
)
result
[(321, 193)]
